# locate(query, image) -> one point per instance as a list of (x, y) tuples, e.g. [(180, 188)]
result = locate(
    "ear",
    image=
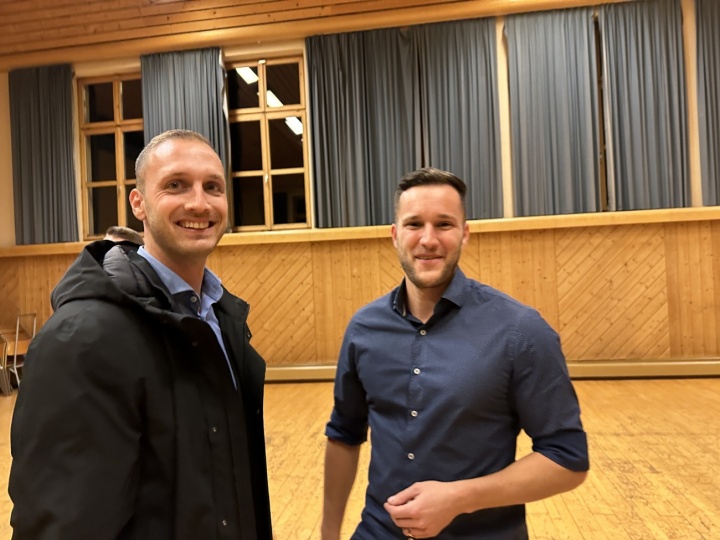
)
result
[(466, 234), (393, 232), (137, 202)]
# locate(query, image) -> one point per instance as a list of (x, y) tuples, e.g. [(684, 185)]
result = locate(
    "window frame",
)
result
[(264, 114), (116, 127)]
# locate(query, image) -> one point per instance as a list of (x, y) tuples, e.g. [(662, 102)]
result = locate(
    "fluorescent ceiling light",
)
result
[(247, 74), (272, 100), (294, 124)]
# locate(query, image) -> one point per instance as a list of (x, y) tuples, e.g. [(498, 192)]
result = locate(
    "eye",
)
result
[(214, 187), (173, 185)]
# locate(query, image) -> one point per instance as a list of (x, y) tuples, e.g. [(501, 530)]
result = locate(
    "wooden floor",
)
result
[(655, 459)]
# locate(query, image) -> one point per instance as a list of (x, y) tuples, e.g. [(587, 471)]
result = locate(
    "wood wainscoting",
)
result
[(631, 294)]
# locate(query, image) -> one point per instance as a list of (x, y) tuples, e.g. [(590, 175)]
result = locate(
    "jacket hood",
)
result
[(111, 272)]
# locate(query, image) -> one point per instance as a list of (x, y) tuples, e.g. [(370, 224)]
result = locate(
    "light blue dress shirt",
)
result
[(188, 300)]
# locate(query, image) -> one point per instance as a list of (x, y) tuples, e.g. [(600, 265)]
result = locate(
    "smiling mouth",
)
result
[(198, 225)]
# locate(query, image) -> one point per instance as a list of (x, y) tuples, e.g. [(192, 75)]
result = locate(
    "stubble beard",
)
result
[(446, 274)]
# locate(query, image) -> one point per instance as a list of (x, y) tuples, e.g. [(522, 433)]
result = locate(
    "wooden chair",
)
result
[(16, 345)]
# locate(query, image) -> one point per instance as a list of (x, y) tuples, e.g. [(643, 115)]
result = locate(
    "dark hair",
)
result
[(119, 233), (428, 176), (141, 161)]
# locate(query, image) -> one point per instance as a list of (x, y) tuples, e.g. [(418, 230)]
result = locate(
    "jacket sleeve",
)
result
[(75, 433)]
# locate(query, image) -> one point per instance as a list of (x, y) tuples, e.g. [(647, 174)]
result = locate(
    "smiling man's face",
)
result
[(183, 205), (429, 233)]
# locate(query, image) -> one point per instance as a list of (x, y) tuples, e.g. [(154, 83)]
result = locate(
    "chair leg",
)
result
[(5, 386)]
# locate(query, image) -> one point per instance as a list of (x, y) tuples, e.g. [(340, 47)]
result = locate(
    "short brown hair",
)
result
[(141, 161), (124, 233), (429, 176)]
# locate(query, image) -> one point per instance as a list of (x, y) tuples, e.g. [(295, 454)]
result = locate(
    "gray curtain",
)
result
[(708, 72), (363, 95), (185, 90), (41, 126), (386, 102), (459, 98), (554, 112), (645, 105)]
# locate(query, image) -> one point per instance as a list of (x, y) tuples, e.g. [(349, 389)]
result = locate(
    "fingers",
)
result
[(404, 496)]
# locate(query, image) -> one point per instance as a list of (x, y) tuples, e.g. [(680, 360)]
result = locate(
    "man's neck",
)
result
[(421, 302), (191, 271)]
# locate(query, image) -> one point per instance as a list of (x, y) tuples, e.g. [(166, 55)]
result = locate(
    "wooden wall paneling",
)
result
[(610, 296), (124, 24), (538, 282), (9, 292), (715, 264), (470, 259), (364, 266), (276, 280), (37, 277), (691, 287), (331, 297), (391, 273), (493, 257), (522, 265)]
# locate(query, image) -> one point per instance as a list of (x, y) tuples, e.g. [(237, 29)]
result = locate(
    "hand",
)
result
[(424, 509)]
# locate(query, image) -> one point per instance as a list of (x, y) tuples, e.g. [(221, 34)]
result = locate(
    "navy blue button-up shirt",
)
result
[(446, 400)]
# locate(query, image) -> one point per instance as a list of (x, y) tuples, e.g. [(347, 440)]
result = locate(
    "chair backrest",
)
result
[(26, 325), (25, 328)]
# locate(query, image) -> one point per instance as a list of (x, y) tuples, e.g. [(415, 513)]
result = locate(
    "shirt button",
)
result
[(224, 522), (213, 429), (411, 456), (193, 299), (423, 332), (416, 371), (413, 413)]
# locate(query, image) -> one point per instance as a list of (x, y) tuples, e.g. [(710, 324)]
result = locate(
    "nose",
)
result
[(429, 236), (197, 200)]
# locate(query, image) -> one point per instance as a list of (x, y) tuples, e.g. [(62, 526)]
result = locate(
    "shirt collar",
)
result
[(211, 284), (454, 293)]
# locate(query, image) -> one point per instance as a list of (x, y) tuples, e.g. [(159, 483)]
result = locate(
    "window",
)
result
[(268, 147), (111, 133)]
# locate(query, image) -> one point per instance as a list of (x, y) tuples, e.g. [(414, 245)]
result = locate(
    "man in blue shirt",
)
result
[(446, 371)]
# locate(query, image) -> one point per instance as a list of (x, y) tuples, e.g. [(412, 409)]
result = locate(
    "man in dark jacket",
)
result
[(140, 412)]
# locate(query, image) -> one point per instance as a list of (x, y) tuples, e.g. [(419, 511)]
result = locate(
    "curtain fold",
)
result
[(645, 104), (363, 96), (707, 14), (41, 126), (554, 112), (186, 90), (386, 102), (459, 108)]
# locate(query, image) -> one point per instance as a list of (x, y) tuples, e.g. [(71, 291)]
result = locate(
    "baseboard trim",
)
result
[(588, 369), (628, 369)]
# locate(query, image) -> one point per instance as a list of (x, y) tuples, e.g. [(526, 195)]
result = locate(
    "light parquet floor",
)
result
[(655, 463)]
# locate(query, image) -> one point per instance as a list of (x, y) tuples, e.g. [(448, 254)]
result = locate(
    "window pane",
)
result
[(248, 201), (100, 102), (289, 198), (246, 152), (285, 146), (243, 88), (133, 146), (131, 99), (132, 221), (101, 149), (283, 81), (102, 205)]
